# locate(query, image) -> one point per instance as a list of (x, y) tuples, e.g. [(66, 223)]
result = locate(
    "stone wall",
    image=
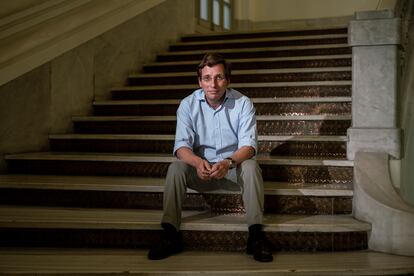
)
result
[(283, 14), (405, 10), (42, 101)]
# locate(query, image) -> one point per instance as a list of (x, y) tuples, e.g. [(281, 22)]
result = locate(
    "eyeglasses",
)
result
[(218, 78)]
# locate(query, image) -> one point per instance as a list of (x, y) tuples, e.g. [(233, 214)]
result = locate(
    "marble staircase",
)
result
[(102, 185)]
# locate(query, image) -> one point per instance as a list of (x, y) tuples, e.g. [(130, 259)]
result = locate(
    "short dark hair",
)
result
[(212, 59)]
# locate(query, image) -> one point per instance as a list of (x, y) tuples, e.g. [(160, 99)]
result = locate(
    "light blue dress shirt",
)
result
[(215, 134)]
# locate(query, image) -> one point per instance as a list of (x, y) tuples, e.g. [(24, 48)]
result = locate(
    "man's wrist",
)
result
[(231, 162)]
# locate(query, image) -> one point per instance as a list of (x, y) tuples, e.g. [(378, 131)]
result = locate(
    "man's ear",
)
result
[(199, 82)]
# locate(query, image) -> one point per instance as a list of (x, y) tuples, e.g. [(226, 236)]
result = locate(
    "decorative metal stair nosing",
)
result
[(173, 118), (105, 227), (155, 185), (233, 85), (250, 50), (167, 158), (241, 60), (166, 137), (282, 32), (262, 39), (285, 32), (82, 218), (250, 72), (254, 100)]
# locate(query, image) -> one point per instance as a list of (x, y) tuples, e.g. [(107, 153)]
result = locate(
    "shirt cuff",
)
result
[(249, 143), (179, 145)]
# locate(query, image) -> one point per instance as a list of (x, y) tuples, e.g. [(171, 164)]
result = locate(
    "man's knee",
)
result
[(177, 173), (250, 166), (177, 168)]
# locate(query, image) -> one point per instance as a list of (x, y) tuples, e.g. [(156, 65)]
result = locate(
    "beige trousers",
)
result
[(247, 178)]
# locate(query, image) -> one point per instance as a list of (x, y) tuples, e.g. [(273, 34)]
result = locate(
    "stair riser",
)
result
[(261, 54), (340, 108), (330, 127), (230, 36), (256, 92), (258, 44), (193, 240), (217, 203), (304, 149), (280, 173), (247, 78), (254, 65)]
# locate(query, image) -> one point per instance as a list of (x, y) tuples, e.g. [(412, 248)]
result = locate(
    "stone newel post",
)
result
[(374, 37)]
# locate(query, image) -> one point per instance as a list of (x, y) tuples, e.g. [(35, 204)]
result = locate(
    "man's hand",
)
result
[(204, 170), (219, 169)]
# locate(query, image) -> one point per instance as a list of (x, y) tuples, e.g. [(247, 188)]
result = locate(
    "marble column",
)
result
[(374, 37)]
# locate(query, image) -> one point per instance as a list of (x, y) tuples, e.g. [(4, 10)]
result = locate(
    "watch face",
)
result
[(232, 164)]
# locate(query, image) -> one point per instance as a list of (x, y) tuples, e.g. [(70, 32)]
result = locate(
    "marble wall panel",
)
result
[(124, 49), (72, 88), (43, 101), (374, 86), (25, 113)]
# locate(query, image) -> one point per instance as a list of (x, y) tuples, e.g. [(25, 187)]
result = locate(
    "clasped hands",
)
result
[(207, 171)]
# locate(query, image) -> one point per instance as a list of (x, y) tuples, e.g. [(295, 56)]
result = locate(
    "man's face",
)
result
[(213, 82)]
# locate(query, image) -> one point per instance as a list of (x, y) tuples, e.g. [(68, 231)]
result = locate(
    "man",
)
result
[(215, 142)]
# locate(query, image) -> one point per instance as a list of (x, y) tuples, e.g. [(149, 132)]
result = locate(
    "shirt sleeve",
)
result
[(184, 134), (247, 134)]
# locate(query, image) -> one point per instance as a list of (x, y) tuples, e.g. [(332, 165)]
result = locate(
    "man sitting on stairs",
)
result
[(215, 142)]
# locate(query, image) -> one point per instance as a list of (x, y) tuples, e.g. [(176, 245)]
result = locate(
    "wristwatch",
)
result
[(232, 163)]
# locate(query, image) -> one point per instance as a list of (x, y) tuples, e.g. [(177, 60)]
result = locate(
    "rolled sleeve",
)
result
[(247, 134), (184, 134)]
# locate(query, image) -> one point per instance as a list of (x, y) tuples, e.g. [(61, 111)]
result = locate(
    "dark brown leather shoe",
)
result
[(171, 243), (260, 250), (258, 245)]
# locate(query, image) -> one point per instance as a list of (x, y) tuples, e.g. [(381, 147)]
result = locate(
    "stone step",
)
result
[(258, 63), (262, 34), (154, 185), (249, 76), (261, 39), (165, 158), (263, 52), (264, 106), (260, 42), (45, 226), (146, 193), (310, 146), (266, 125), (273, 89), (50, 261), (274, 168)]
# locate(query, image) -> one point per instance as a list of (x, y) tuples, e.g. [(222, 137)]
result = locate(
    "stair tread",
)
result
[(234, 85), (261, 39), (147, 184), (241, 50), (245, 72), (166, 137), (134, 262), (269, 59), (159, 157), (173, 118), (254, 100), (87, 218), (276, 31)]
